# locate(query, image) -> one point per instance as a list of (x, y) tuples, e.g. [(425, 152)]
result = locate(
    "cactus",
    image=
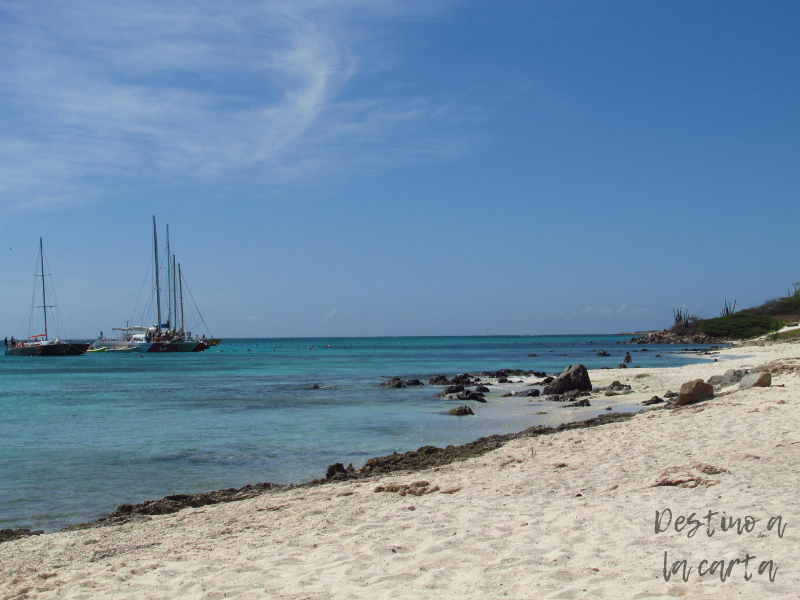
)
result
[(728, 310), (680, 316)]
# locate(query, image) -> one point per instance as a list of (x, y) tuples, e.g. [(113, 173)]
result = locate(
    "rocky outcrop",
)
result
[(571, 395), (453, 389), (396, 382), (512, 372), (438, 380), (460, 411), (462, 379), (9, 535), (572, 378), (534, 393), (579, 403), (653, 400), (459, 392), (482, 389), (176, 502), (603, 353), (668, 337), (694, 391)]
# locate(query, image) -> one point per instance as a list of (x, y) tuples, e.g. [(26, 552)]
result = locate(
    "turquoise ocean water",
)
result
[(80, 435)]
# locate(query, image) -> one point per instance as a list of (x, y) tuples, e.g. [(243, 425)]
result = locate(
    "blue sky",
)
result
[(401, 168)]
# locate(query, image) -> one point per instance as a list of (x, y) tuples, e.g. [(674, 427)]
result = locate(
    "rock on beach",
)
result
[(572, 378), (694, 391)]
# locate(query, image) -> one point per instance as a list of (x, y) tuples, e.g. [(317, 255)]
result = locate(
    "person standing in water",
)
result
[(627, 358)]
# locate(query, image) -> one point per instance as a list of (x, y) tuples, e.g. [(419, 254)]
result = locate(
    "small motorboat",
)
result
[(124, 349), (101, 349)]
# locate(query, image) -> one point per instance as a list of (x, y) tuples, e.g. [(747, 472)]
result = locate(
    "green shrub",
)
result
[(777, 307), (741, 325)]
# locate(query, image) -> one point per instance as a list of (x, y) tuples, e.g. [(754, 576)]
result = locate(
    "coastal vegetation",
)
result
[(746, 323)]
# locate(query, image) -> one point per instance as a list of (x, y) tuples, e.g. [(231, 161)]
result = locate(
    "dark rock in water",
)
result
[(477, 396), (579, 403), (572, 378), (603, 353), (393, 383), (529, 393), (605, 367), (316, 386), (622, 366), (671, 395), (532, 355), (396, 382), (482, 388), (334, 470), (653, 400), (609, 408), (463, 379), (439, 380), (458, 392), (502, 380), (9, 535), (453, 389), (506, 373), (539, 374), (506, 395), (460, 411), (694, 391)]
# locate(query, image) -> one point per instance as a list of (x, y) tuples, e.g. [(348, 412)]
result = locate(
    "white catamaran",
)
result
[(160, 337)]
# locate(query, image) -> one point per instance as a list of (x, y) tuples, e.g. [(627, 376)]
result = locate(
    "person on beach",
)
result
[(627, 358)]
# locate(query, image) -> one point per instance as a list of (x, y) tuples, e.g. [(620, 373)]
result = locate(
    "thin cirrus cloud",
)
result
[(96, 90)]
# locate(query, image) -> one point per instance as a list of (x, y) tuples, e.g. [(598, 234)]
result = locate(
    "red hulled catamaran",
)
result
[(159, 338)]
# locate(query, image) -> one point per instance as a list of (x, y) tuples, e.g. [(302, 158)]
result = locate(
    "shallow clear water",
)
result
[(80, 435)]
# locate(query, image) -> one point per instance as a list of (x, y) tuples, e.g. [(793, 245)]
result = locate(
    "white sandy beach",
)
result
[(569, 515)]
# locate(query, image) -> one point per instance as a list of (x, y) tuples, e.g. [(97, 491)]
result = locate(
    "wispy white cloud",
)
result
[(95, 90)]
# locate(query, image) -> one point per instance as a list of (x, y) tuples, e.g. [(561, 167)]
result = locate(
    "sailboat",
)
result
[(160, 337), (40, 344)]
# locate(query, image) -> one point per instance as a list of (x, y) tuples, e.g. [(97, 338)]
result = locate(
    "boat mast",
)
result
[(44, 299), (180, 282), (175, 293), (158, 289), (169, 283)]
